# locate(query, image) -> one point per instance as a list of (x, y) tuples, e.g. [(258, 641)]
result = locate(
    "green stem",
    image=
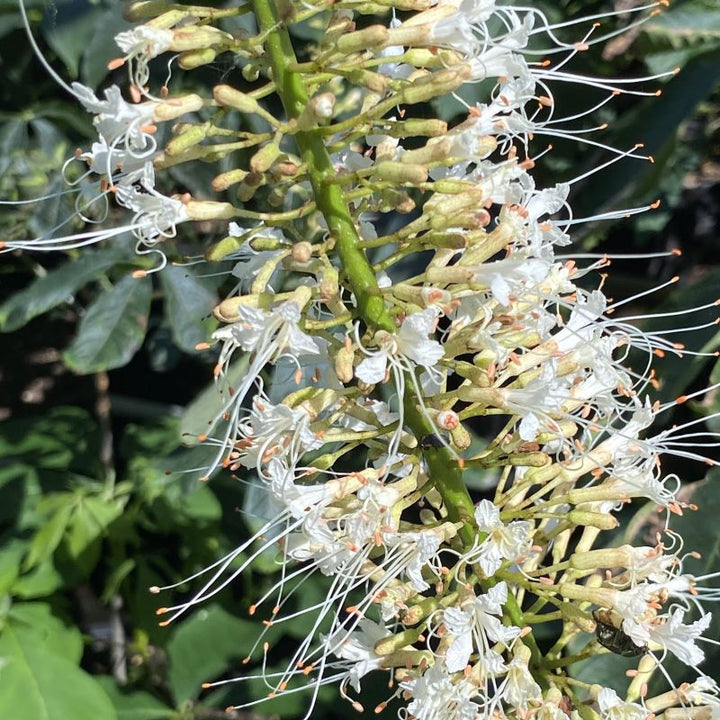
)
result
[(331, 201)]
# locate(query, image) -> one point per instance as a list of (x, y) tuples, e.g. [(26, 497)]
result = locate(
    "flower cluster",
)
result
[(408, 284)]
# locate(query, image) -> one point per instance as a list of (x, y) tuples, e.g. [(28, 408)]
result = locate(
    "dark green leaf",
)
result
[(134, 705), (189, 301), (67, 29), (113, 328), (59, 285), (102, 48), (63, 438), (203, 646)]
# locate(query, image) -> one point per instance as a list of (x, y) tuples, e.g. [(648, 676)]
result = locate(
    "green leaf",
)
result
[(90, 520), (10, 560), (64, 438), (204, 407), (113, 328), (67, 30), (134, 705), (59, 285), (36, 618), (48, 537), (189, 301), (42, 581), (202, 648), (102, 48), (39, 684)]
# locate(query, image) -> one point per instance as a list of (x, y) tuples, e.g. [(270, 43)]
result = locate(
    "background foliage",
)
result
[(100, 377)]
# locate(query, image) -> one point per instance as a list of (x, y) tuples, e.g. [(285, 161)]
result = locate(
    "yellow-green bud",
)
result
[(197, 37), (196, 58), (230, 97), (173, 108), (189, 137), (264, 157), (344, 364), (223, 248), (434, 85), (604, 558), (587, 518), (369, 37), (209, 210), (225, 180), (405, 174)]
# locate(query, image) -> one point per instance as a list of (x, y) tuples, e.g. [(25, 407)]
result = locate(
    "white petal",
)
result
[(372, 369)]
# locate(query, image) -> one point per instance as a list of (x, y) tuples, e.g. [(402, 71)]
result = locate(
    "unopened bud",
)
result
[(227, 179), (198, 37), (209, 210), (220, 250), (604, 558), (189, 137), (461, 437), (230, 97), (369, 37), (264, 157), (301, 251), (587, 518), (434, 85), (196, 58), (344, 364), (175, 107), (401, 173)]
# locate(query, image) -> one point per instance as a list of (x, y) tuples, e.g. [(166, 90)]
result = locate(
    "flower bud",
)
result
[(344, 359), (198, 37), (209, 210), (264, 157), (431, 86), (173, 108), (224, 180), (220, 250), (401, 173), (369, 37), (191, 136), (230, 97), (301, 251), (587, 518), (196, 58)]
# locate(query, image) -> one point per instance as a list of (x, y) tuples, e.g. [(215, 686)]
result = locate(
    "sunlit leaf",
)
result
[(40, 684)]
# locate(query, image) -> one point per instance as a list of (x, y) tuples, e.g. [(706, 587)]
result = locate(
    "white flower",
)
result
[(476, 628), (359, 648), (671, 634), (613, 708), (503, 542), (140, 45), (436, 697), (411, 343)]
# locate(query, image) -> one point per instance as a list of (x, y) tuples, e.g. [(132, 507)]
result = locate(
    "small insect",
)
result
[(614, 638), (430, 442)]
